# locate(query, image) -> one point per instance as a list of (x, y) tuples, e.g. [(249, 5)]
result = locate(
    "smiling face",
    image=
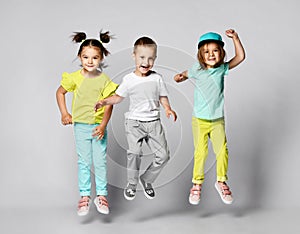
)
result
[(211, 55), (144, 57), (90, 58)]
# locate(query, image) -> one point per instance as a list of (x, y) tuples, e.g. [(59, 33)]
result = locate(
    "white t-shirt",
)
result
[(144, 93)]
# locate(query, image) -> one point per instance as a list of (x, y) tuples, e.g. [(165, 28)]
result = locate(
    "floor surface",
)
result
[(151, 217)]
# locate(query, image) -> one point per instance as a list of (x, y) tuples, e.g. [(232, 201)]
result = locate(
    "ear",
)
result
[(133, 56)]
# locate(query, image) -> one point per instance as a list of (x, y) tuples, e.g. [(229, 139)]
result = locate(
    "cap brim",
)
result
[(210, 40)]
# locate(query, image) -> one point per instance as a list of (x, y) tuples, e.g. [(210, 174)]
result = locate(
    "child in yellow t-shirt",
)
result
[(89, 85)]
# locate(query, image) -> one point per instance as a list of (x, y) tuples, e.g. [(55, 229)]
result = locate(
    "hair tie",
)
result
[(82, 40)]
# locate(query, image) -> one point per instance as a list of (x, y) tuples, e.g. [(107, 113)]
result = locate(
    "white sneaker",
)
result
[(195, 194), (224, 192), (101, 204), (83, 206)]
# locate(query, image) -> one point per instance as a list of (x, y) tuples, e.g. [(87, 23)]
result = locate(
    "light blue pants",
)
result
[(90, 151)]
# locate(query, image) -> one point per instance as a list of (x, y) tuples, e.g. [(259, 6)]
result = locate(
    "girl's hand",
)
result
[(180, 77), (231, 33), (99, 132), (66, 119), (170, 112)]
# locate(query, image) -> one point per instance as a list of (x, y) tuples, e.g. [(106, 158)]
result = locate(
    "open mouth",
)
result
[(144, 67)]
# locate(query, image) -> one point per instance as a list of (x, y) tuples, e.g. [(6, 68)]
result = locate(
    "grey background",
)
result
[(38, 171)]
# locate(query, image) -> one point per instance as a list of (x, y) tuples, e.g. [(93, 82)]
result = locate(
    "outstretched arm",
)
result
[(239, 49), (115, 99), (166, 105), (181, 76), (66, 117)]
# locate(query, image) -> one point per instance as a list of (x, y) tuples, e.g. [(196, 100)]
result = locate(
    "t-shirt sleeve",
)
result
[(109, 89), (193, 70), (67, 82), (122, 90), (226, 68), (162, 88)]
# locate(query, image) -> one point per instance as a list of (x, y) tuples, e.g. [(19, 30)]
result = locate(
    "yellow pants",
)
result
[(215, 130)]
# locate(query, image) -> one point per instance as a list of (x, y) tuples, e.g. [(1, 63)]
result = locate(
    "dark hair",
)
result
[(144, 41), (201, 58), (80, 37)]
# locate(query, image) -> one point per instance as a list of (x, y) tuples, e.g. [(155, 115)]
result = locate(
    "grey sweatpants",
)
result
[(153, 134)]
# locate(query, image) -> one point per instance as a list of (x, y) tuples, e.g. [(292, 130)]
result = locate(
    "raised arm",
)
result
[(181, 76), (239, 49), (115, 99)]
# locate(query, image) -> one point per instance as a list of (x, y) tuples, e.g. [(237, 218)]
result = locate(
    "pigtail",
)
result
[(78, 37), (105, 38)]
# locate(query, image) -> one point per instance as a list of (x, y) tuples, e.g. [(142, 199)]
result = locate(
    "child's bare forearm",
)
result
[(164, 100), (108, 101), (112, 100), (106, 115), (61, 101)]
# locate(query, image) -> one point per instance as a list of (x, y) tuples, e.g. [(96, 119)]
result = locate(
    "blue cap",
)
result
[(210, 37)]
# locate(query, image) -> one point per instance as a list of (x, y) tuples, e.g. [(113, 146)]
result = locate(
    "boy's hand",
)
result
[(99, 132), (99, 105), (66, 119), (231, 33), (171, 112)]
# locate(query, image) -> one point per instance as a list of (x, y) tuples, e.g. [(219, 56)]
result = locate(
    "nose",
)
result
[(145, 61), (90, 60)]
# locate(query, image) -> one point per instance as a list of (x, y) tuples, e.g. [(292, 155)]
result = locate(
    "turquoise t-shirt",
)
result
[(209, 91)]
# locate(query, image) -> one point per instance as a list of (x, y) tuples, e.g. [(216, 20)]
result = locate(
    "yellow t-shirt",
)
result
[(87, 91)]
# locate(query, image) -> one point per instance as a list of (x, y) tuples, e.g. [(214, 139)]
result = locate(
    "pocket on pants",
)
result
[(129, 124)]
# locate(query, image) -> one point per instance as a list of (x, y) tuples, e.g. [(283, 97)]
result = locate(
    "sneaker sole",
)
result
[(221, 196), (146, 195), (100, 211), (82, 213), (193, 202)]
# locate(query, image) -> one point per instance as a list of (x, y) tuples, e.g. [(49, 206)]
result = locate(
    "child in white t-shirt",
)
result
[(146, 91)]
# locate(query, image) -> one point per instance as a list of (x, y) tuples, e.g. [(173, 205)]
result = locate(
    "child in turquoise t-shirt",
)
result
[(89, 85), (208, 113)]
